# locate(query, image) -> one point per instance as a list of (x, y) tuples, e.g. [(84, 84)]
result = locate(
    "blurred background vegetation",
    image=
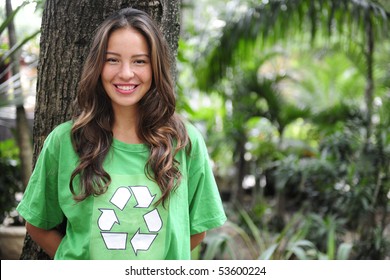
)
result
[(293, 99)]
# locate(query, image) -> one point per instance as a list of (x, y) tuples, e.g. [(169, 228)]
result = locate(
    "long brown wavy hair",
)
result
[(159, 127)]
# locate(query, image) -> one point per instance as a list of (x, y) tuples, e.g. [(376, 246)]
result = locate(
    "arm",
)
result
[(48, 240), (196, 239)]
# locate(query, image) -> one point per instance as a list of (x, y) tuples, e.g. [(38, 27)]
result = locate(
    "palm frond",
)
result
[(280, 20), (17, 47), (6, 22)]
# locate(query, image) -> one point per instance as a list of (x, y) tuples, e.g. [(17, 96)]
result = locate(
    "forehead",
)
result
[(127, 39)]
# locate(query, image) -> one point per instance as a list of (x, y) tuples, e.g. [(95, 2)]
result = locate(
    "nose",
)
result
[(126, 71)]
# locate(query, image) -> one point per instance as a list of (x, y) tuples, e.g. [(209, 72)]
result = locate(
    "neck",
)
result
[(125, 127)]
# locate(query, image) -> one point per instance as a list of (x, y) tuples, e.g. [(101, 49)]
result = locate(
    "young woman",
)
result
[(131, 179)]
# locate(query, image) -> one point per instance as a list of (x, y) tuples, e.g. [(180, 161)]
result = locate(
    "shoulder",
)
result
[(60, 134), (198, 145), (193, 132), (57, 142), (61, 130)]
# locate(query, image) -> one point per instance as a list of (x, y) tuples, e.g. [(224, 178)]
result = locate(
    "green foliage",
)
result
[(272, 21), (302, 238), (6, 55), (10, 183), (217, 244), (6, 22), (294, 117)]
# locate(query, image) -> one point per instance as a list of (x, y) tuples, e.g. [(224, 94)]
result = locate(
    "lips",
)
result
[(125, 89)]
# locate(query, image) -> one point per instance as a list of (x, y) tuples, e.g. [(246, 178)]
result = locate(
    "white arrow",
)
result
[(115, 241), (153, 220), (143, 196), (142, 242), (107, 219), (121, 197)]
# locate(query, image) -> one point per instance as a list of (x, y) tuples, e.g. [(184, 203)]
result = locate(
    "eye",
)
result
[(139, 61), (112, 60)]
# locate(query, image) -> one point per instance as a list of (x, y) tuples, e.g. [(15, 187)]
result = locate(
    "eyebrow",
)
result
[(117, 54)]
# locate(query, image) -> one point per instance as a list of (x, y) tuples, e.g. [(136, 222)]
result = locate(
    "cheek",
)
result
[(107, 73), (104, 74), (105, 79), (147, 74)]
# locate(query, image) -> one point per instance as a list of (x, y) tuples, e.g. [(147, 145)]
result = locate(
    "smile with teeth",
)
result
[(126, 88)]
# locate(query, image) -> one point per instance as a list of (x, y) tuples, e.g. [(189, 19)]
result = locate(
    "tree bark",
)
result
[(66, 32)]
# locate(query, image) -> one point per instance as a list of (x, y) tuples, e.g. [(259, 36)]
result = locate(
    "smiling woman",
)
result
[(131, 177), (126, 75)]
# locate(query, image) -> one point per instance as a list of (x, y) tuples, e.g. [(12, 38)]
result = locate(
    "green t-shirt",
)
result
[(124, 222)]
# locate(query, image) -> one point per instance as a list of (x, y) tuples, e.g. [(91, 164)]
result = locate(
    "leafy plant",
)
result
[(311, 123), (301, 238), (10, 183), (6, 55)]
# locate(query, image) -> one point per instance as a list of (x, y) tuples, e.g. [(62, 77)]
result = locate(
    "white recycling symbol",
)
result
[(108, 218)]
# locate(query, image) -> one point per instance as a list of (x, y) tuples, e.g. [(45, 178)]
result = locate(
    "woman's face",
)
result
[(127, 73)]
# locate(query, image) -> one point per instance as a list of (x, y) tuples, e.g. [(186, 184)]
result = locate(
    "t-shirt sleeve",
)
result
[(205, 205), (40, 204)]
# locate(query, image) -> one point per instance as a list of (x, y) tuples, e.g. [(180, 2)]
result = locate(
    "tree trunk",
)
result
[(66, 32), (241, 165), (369, 90), (23, 133)]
